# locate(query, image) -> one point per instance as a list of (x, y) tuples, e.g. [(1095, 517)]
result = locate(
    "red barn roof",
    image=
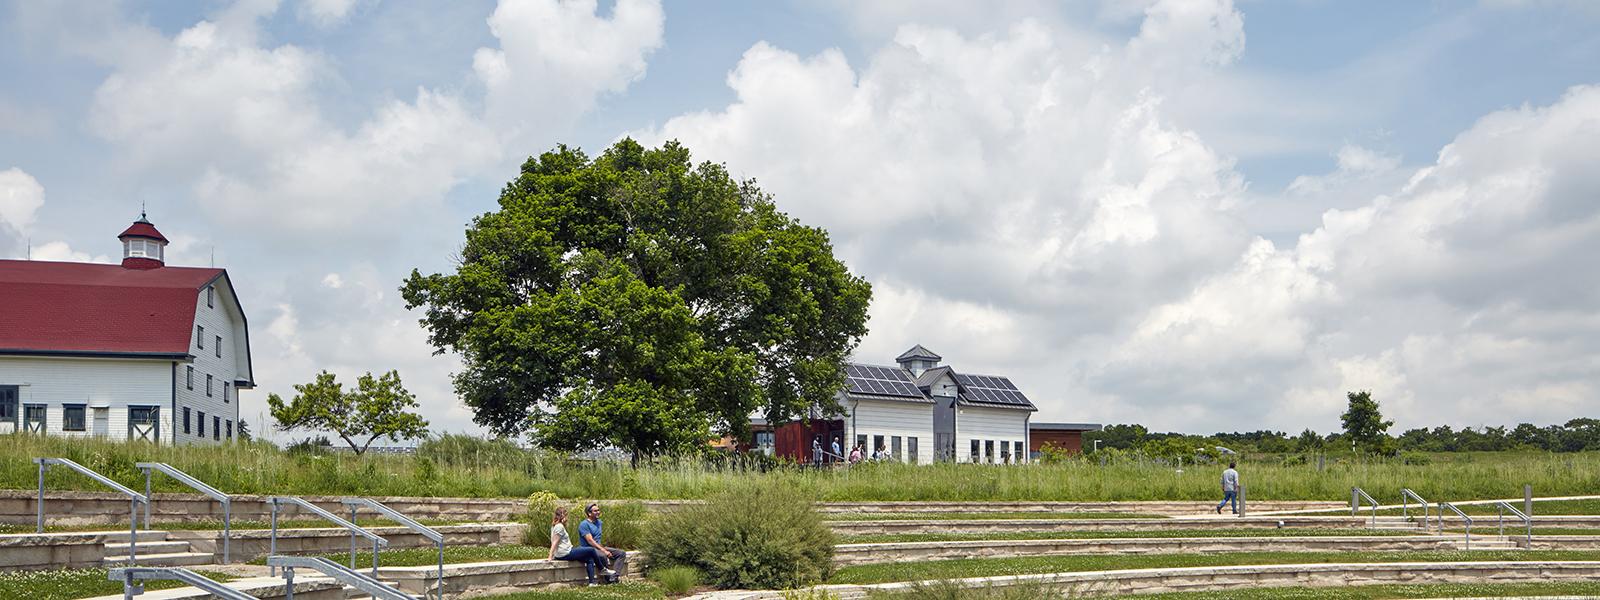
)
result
[(142, 228), (82, 308)]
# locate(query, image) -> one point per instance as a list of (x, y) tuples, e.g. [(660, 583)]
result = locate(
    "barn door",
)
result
[(144, 423)]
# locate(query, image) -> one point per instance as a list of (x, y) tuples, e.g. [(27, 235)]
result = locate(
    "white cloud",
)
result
[(20, 198), (556, 57), (327, 13)]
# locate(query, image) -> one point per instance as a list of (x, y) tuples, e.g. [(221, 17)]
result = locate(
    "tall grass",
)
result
[(462, 466)]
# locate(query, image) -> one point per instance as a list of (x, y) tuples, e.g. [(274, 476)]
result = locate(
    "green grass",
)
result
[(984, 516), (628, 590), (988, 567), (1099, 535), (1385, 592), (1540, 508), (417, 557), (1363, 592), (238, 525), (461, 467), (74, 583)]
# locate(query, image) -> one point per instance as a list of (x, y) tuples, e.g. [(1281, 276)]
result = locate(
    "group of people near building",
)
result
[(820, 456), (594, 555)]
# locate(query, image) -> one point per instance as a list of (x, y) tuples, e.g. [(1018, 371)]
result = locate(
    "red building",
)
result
[(1060, 435)]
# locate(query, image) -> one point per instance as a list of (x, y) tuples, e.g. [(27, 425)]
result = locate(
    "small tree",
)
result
[(1364, 425), (244, 430), (378, 407)]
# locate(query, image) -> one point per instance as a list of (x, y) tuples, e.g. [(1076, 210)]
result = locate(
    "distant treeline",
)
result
[(1576, 435)]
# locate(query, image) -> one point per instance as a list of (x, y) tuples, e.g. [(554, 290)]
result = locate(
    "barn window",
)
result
[(72, 417), (208, 386), (211, 294), (189, 376), (200, 336), (186, 429), (219, 346)]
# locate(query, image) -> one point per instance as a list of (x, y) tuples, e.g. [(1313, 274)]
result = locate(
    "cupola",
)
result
[(918, 359), (142, 246)]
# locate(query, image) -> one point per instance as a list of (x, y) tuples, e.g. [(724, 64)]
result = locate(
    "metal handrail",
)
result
[(1405, 509), (428, 532), (1452, 507), (127, 575), (349, 577), (200, 486), (134, 499), (1358, 494), (277, 501), (1526, 521)]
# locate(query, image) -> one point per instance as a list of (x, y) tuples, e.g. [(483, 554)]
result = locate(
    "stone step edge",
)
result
[(1536, 569), (302, 585), (1136, 541)]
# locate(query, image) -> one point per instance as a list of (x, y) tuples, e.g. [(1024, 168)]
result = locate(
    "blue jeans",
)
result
[(1230, 496), (589, 556)]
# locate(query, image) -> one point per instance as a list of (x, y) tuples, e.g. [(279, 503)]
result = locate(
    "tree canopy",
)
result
[(641, 301), (379, 407), (1364, 425)]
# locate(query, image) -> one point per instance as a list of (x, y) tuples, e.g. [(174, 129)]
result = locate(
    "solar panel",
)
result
[(991, 390), (881, 381)]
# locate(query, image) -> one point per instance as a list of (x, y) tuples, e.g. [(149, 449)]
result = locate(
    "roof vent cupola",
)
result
[(918, 359), (142, 246)]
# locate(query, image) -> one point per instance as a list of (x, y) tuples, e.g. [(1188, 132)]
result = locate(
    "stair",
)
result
[(169, 559), (154, 550), (1485, 543), (1394, 524)]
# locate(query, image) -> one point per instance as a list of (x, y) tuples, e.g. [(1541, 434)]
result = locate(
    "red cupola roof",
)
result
[(142, 228)]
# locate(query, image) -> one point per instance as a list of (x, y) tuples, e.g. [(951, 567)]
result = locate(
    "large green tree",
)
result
[(378, 407), (1364, 425), (641, 301)]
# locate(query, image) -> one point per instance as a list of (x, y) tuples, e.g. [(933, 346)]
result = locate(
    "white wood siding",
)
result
[(218, 319), (890, 418), (116, 383), (989, 424)]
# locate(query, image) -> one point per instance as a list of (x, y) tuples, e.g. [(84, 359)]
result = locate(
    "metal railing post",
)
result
[(288, 583), (272, 549), (1354, 502), (147, 499), (374, 559), (227, 533), (40, 503), (353, 539), (441, 569), (133, 532)]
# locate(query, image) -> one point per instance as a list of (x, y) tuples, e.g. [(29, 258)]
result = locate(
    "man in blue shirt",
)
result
[(589, 534)]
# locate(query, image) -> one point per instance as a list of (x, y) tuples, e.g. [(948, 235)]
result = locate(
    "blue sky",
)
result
[(1199, 215)]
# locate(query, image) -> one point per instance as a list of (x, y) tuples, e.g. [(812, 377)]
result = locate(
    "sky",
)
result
[(1198, 215)]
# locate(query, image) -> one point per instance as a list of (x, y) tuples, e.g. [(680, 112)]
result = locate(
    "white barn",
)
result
[(138, 350), (922, 412)]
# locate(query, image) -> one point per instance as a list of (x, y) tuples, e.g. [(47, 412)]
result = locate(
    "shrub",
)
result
[(676, 581), (751, 536), (625, 524), (541, 508)]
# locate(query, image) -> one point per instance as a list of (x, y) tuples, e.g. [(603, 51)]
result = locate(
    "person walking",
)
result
[(561, 548), (838, 454), (816, 452), (589, 534), (1230, 489)]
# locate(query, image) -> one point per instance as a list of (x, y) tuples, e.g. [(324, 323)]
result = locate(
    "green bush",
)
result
[(625, 524), (541, 508), (751, 536), (676, 581)]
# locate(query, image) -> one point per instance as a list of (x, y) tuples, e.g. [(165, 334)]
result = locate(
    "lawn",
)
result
[(237, 525), (986, 516), (72, 584), (417, 557), (1099, 535), (989, 567), (1364, 592), (463, 467)]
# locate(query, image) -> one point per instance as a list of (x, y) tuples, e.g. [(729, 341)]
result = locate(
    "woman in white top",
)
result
[(561, 547)]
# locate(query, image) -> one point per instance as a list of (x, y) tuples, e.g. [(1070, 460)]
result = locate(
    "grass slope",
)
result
[(463, 467), (75, 583), (963, 568)]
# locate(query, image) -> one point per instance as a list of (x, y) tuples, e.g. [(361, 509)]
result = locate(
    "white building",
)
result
[(138, 350), (920, 411)]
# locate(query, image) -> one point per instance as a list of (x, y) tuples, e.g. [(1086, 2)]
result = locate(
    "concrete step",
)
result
[(166, 559), (150, 547), (121, 537)]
